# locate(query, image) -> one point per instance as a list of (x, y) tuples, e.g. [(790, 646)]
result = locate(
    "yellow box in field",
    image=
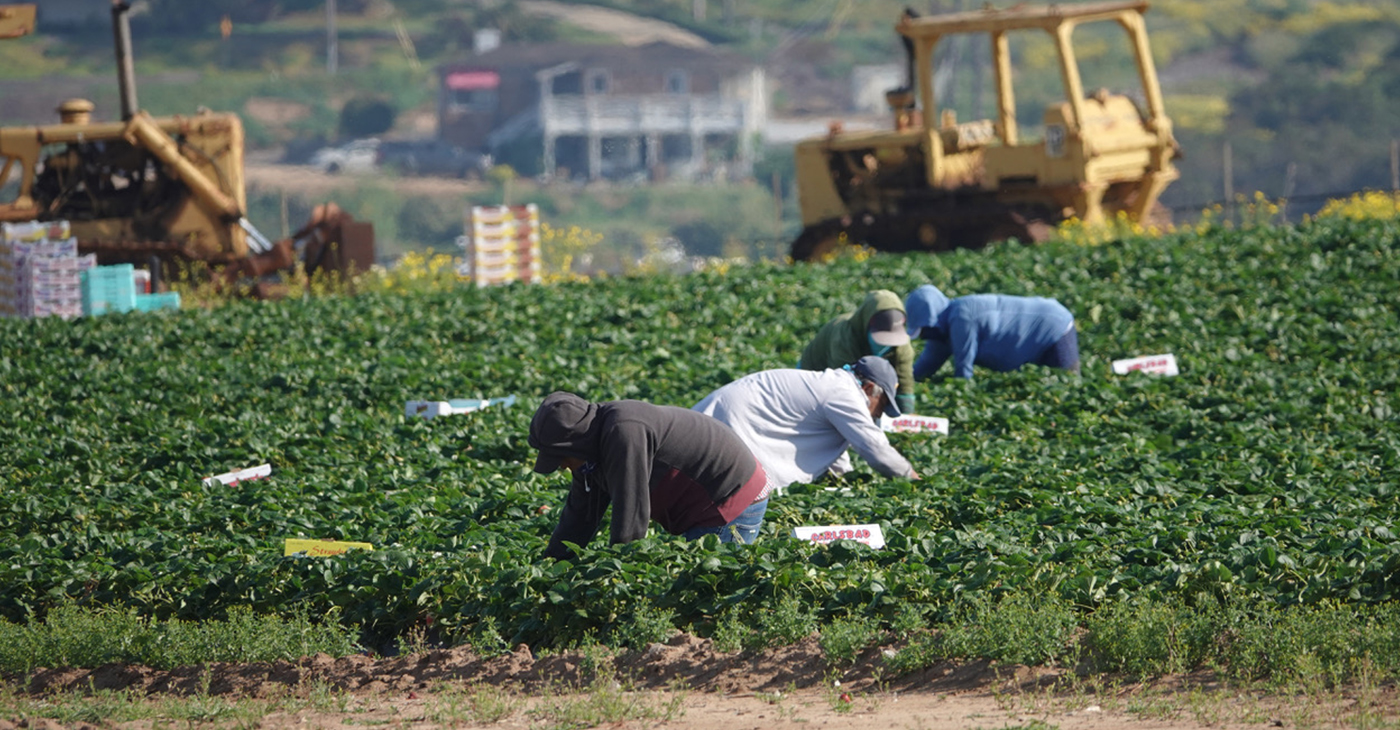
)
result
[(321, 548)]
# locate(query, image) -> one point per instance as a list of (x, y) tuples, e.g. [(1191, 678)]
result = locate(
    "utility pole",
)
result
[(1395, 165), (1290, 178), (225, 30), (332, 49), (1227, 157)]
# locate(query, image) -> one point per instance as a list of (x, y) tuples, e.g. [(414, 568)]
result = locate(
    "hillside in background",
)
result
[(1306, 94)]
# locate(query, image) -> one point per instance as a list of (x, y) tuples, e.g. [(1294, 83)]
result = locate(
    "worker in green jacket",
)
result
[(875, 328)]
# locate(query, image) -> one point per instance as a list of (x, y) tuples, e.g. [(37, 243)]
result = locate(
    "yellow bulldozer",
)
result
[(933, 183), (148, 190), (16, 20)]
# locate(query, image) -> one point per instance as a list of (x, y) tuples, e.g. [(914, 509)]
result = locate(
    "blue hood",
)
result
[(923, 307)]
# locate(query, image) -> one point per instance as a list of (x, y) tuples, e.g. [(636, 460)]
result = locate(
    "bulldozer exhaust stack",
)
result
[(126, 70)]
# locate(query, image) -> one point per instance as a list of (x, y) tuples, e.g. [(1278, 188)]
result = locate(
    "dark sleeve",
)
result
[(579, 520), (628, 453)]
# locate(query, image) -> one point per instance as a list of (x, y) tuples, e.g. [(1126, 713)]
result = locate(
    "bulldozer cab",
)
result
[(132, 189), (155, 190), (935, 182), (16, 20), (1091, 140)]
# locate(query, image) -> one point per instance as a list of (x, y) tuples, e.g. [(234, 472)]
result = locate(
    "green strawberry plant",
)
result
[(1265, 471)]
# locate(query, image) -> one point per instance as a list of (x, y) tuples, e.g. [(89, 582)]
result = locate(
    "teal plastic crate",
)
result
[(152, 302), (108, 289)]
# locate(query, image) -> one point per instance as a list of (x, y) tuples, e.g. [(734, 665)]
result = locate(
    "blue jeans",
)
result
[(744, 527)]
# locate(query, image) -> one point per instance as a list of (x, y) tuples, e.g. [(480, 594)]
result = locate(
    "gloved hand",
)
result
[(905, 401)]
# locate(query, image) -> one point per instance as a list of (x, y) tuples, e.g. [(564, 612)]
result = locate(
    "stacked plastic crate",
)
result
[(121, 288), (109, 289), (503, 245), (40, 270)]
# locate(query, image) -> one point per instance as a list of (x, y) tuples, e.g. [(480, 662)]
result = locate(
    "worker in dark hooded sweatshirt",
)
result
[(877, 327), (685, 470)]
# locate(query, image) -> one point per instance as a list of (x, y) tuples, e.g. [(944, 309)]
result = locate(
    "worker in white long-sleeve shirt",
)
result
[(799, 423)]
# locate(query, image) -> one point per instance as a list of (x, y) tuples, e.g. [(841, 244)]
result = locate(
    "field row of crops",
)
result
[(1266, 470)]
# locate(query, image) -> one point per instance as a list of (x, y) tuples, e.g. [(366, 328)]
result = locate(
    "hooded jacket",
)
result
[(845, 339), (680, 468), (995, 331)]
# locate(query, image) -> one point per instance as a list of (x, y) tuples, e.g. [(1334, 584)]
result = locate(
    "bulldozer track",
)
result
[(926, 231)]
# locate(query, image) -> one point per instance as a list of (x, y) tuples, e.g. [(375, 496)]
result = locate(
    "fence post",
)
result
[(286, 217), (778, 203)]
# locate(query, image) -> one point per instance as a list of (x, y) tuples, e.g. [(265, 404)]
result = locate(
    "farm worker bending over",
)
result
[(992, 330), (799, 423), (875, 328), (685, 470)]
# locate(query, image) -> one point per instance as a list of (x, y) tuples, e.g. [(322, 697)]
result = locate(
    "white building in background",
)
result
[(595, 112)]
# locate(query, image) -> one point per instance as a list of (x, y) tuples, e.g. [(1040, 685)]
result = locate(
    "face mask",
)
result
[(879, 350)]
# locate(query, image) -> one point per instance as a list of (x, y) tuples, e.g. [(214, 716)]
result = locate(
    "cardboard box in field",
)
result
[(910, 422), (433, 409), (321, 548), (867, 534), (35, 231), (242, 475), (18, 251), (1156, 364), (67, 310)]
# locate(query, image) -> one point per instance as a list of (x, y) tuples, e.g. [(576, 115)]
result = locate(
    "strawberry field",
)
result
[(1265, 472)]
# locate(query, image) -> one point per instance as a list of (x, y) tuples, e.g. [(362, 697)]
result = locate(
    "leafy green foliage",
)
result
[(78, 637), (647, 625), (844, 639), (1156, 638), (627, 219), (1265, 471), (1020, 628), (366, 117), (1248, 640)]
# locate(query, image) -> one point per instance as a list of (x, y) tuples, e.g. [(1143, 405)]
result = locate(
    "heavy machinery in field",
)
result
[(934, 184), (17, 20), (148, 190)]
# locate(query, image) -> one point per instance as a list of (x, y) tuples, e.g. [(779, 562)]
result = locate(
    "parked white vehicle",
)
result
[(359, 156)]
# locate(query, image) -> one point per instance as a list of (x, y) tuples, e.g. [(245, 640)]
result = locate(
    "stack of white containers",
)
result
[(503, 245), (40, 269)]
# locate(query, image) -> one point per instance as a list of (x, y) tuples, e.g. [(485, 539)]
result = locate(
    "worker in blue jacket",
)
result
[(995, 331)]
